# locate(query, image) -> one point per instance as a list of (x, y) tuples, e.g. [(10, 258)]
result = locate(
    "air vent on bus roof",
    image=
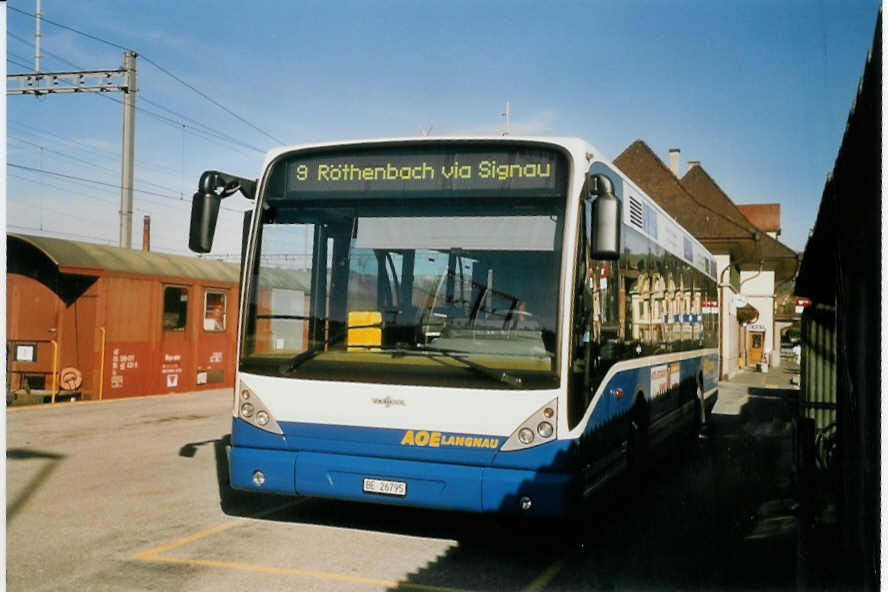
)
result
[(636, 213)]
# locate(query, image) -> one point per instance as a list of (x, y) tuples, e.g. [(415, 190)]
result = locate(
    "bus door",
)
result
[(175, 343)]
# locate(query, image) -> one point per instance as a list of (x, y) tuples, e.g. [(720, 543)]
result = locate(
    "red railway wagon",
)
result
[(127, 322)]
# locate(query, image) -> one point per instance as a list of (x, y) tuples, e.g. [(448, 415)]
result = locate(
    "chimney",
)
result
[(146, 234), (674, 154), (692, 164)]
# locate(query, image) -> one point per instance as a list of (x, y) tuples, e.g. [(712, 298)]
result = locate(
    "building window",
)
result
[(215, 315), (175, 308)]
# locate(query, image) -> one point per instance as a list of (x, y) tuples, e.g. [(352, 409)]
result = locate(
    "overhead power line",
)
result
[(86, 162), (208, 129), (212, 100), (17, 63), (64, 176), (84, 147), (103, 183), (45, 52), (106, 199), (166, 204), (209, 134), (160, 68)]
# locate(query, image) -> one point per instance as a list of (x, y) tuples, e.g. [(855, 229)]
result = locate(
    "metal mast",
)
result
[(37, 36), (127, 150)]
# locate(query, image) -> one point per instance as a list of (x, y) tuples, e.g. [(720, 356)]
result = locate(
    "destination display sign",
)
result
[(422, 171)]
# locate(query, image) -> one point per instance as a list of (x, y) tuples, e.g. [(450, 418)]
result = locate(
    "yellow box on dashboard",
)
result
[(364, 330)]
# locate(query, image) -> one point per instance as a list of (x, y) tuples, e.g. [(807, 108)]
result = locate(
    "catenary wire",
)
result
[(82, 179), (86, 162)]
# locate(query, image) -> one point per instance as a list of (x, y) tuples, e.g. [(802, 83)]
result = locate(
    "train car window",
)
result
[(175, 308), (215, 315)]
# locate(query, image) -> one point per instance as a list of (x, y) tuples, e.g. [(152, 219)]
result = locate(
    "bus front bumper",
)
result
[(425, 484)]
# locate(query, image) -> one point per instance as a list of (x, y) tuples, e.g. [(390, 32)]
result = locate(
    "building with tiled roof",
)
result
[(775, 255)]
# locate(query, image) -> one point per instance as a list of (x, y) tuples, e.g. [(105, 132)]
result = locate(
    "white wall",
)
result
[(728, 319)]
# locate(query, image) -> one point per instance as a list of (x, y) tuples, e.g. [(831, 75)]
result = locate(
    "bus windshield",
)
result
[(449, 292)]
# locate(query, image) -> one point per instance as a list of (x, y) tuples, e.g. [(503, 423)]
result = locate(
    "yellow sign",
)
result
[(364, 330)]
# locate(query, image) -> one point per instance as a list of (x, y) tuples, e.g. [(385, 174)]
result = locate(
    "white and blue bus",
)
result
[(493, 324)]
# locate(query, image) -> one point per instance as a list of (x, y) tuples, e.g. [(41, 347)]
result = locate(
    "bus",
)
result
[(500, 324)]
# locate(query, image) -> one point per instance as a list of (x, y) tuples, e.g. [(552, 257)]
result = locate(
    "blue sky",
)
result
[(757, 91)]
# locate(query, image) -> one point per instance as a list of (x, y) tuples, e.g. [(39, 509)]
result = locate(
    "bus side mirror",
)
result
[(212, 188), (603, 219), (204, 214)]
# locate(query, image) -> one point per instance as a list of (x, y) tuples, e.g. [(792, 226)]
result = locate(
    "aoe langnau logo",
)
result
[(388, 402), (439, 440)]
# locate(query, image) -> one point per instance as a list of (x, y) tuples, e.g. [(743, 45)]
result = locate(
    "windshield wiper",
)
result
[(308, 354), (459, 356), (319, 347)]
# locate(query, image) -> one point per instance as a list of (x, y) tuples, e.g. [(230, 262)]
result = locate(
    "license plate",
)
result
[(384, 487)]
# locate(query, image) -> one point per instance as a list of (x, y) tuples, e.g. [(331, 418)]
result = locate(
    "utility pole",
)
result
[(121, 80)]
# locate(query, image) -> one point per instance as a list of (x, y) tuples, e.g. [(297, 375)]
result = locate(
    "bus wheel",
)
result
[(637, 445)]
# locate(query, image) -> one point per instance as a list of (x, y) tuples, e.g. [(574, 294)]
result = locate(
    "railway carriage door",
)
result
[(215, 351), (175, 364)]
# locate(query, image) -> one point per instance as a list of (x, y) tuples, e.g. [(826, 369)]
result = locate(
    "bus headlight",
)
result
[(545, 429), (525, 435), (537, 429), (250, 408)]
